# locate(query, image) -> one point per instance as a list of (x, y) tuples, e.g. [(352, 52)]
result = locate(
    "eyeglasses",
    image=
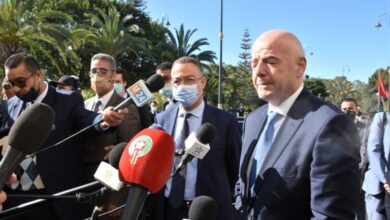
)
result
[(186, 81), (100, 71), (20, 82)]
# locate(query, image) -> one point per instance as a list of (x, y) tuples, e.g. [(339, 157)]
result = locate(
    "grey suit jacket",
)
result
[(311, 170), (94, 148)]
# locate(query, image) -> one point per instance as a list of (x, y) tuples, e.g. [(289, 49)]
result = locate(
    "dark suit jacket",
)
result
[(311, 171), (61, 168), (218, 170), (94, 148)]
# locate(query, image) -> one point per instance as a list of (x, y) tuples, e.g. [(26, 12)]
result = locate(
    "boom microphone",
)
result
[(145, 165), (29, 132), (203, 208), (141, 92), (197, 145)]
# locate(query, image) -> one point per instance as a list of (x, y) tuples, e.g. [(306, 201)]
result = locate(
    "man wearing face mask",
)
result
[(164, 69), (216, 173), (97, 148), (60, 168), (349, 107)]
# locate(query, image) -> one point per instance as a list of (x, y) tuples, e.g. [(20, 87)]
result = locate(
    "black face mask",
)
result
[(351, 114), (30, 96)]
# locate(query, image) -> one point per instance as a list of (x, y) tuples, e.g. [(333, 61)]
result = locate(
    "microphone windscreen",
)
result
[(203, 208), (32, 128), (147, 159), (155, 83), (116, 153), (206, 133), (156, 126)]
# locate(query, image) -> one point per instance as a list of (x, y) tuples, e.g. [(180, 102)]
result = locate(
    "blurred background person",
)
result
[(67, 82), (96, 149), (164, 69)]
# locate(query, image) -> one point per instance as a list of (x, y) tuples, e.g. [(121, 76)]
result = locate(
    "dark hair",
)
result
[(164, 66), (347, 99), (16, 59), (124, 73), (192, 60)]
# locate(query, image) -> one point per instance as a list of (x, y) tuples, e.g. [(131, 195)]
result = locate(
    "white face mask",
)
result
[(186, 95), (118, 87)]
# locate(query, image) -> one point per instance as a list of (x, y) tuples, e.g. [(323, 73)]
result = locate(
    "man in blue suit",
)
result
[(214, 175), (59, 168), (304, 165), (378, 148)]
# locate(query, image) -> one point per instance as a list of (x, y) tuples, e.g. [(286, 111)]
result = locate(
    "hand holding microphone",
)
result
[(140, 93)]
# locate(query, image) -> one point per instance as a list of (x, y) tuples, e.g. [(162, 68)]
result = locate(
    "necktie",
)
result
[(263, 145), (97, 106), (176, 197)]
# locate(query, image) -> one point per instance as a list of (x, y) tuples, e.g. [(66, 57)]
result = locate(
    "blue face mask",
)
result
[(166, 91), (118, 88), (186, 95)]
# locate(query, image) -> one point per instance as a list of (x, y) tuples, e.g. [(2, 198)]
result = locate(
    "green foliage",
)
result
[(316, 87), (245, 55), (41, 33), (179, 44)]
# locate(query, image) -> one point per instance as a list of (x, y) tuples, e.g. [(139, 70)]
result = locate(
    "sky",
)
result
[(340, 34)]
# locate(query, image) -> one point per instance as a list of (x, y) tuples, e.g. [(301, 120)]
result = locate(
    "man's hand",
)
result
[(3, 196), (386, 186), (112, 118)]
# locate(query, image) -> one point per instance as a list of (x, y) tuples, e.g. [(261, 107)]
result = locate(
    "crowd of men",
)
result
[(296, 157)]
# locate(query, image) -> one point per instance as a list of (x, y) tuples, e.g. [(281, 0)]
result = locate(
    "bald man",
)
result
[(300, 155)]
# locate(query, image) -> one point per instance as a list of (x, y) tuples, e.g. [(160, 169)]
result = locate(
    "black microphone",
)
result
[(141, 92), (29, 132), (203, 208), (197, 145)]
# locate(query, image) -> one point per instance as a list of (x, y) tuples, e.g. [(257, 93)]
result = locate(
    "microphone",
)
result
[(107, 173), (203, 208), (145, 165), (197, 145), (141, 92), (29, 132)]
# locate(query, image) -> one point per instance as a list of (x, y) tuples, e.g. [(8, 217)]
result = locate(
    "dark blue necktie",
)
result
[(176, 196), (263, 145)]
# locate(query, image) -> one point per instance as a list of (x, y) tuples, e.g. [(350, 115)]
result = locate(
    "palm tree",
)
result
[(338, 89), (179, 45), (41, 33), (108, 33)]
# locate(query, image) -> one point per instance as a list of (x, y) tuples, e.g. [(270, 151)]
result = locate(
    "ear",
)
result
[(301, 67)]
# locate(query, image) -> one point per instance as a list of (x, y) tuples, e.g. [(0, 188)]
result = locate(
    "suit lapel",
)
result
[(171, 120), (291, 124)]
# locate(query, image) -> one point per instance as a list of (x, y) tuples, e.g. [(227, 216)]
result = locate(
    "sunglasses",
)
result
[(20, 82)]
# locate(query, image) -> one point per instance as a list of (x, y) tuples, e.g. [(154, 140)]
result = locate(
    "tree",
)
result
[(338, 89), (179, 44), (316, 87), (245, 55), (39, 33)]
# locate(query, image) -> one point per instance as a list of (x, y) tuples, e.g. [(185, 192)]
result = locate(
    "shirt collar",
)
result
[(43, 94), (104, 99), (285, 106), (197, 112)]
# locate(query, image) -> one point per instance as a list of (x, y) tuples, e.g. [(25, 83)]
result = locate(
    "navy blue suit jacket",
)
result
[(311, 171), (61, 168), (218, 170)]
